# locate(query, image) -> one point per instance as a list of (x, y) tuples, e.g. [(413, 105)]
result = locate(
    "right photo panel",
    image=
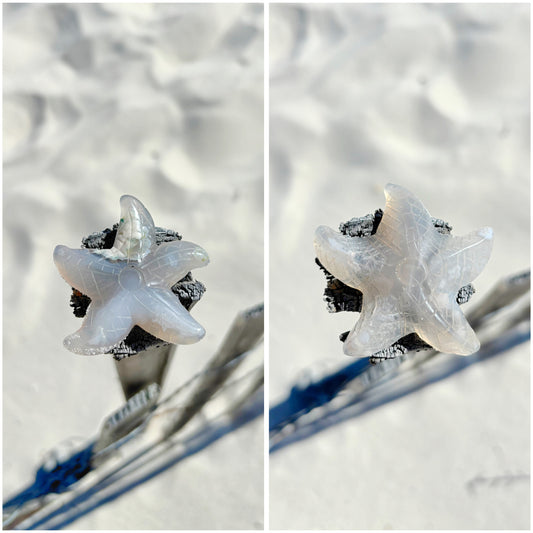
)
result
[(399, 266)]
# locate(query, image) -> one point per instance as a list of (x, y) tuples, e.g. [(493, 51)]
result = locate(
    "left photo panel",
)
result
[(133, 261)]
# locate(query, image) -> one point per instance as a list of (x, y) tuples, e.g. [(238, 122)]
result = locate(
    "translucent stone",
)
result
[(134, 290), (135, 234), (409, 275)]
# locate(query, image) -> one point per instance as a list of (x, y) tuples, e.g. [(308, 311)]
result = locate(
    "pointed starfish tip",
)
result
[(202, 256), (319, 232), (59, 251), (471, 347), (393, 188)]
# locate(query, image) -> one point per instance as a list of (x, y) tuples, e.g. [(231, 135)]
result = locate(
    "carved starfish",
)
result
[(129, 284), (409, 275)]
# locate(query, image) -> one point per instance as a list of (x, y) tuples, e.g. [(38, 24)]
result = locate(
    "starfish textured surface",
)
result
[(409, 275), (130, 285)]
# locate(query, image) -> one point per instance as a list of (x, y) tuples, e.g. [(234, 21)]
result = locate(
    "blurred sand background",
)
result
[(164, 102), (434, 98)]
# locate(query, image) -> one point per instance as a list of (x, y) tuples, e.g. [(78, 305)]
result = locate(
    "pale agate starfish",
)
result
[(409, 274), (129, 284)]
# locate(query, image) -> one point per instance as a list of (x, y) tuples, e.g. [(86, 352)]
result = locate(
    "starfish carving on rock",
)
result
[(129, 284), (409, 275)]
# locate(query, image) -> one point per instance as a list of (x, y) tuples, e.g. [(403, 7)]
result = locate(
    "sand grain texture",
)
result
[(434, 98), (164, 102)]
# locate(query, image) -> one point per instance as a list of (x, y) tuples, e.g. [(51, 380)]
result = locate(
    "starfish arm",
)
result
[(136, 231), (443, 326), (352, 260), (104, 327), (462, 259), (160, 312), (378, 327), (171, 261), (406, 225), (87, 272)]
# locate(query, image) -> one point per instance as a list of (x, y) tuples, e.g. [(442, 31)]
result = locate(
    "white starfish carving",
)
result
[(409, 275), (130, 285)]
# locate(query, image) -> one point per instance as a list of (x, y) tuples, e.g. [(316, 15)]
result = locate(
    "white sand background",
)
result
[(435, 98), (164, 102)]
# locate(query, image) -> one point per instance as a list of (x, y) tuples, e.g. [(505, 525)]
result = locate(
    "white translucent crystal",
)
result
[(135, 234), (409, 275), (126, 292)]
